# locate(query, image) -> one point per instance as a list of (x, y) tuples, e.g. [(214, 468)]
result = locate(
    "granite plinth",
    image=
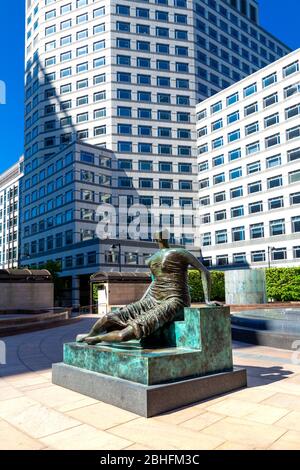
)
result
[(146, 400)]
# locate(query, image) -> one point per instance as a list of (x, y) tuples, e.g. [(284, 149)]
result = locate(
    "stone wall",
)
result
[(26, 296)]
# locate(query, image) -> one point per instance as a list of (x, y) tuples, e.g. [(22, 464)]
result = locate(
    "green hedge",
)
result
[(218, 286), (283, 284)]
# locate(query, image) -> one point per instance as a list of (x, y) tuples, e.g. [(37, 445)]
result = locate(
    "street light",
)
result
[(270, 250), (113, 247)]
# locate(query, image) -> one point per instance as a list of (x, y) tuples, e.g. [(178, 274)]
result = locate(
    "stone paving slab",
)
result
[(34, 414)]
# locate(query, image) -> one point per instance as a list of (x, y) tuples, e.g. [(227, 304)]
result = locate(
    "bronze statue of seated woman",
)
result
[(166, 296)]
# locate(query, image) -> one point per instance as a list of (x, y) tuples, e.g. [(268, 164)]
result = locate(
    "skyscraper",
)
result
[(126, 75), (9, 215)]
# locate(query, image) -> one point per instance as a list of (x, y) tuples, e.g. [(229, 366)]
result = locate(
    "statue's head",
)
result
[(162, 238)]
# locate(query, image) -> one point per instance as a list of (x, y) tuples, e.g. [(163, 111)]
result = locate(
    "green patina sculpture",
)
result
[(166, 296)]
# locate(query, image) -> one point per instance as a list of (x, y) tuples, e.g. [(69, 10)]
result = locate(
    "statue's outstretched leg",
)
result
[(116, 336), (101, 325)]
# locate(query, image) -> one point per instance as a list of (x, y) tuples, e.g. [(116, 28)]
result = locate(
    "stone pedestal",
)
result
[(190, 360), (245, 286)]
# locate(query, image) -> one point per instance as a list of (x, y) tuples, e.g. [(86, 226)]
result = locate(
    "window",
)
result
[(278, 254), (293, 133), (215, 126), (201, 115), (253, 168), (221, 236), (252, 148), (233, 136), (206, 239), (296, 252), (232, 99), (257, 231), (292, 111), (271, 120), (219, 160), (251, 128), (202, 132), (251, 109), (270, 100), (295, 199), (221, 260), (220, 215), (295, 224), (250, 90), (275, 203), (269, 80), (235, 173), (254, 187), (293, 155), (233, 117), (292, 90), (204, 201), (220, 178), (219, 197), (274, 182), (238, 234), (216, 107), (237, 211), (273, 161), (273, 140), (205, 219), (236, 192), (294, 176), (258, 256), (277, 227), (234, 155), (290, 69), (216, 143), (123, 10), (203, 166), (255, 207)]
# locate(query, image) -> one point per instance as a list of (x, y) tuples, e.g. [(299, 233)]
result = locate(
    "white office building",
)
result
[(126, 76), (248, 169), (9, 215)]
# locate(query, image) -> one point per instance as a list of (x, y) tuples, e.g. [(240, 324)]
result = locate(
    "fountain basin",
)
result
[(277, 327)]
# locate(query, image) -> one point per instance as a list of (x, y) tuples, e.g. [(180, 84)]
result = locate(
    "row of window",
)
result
[(253, 127), (276, 227), (253, 208), (252, 188), (253, 167), (250, 90), (89, 177), (270, 141), (260, 256), (235, 173)]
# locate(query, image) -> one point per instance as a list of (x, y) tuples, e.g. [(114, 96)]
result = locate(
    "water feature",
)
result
[(278, 327)]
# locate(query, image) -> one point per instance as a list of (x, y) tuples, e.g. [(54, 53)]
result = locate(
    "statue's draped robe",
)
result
[(166, 296)]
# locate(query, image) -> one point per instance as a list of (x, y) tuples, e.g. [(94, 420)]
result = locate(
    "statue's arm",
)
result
[(205, 275)]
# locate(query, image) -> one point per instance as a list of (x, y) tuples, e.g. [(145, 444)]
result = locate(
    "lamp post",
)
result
[(113, 247), (270, 250)]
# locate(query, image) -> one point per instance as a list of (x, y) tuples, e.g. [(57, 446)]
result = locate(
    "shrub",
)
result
[(283, 284), (196, 289)]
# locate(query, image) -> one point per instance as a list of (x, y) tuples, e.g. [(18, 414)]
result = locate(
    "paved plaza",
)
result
[(34, 414)]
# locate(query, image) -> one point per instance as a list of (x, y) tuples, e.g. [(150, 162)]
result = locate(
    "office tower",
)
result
[(126, 76), (248, 161), (9, 215)]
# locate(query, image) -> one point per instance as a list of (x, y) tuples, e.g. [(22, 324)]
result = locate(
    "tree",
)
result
[(54, 267)]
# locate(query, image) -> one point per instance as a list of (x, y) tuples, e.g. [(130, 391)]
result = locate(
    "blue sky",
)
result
[(279, 17)]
